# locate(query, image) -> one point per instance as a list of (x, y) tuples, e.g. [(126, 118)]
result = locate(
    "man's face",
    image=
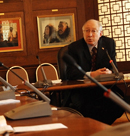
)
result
[(61, 28), (47, 30), (91, 32), (11, 29)]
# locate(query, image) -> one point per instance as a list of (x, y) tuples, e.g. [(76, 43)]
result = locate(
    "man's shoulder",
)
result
[(77, 43), (105, 38), (106, 42)]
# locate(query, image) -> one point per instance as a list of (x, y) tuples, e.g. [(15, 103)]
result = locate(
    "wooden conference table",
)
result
[(77, 125), (65, 85), (68, 85)]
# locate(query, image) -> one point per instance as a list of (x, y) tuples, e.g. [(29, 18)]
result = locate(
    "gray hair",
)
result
[(99, 24)]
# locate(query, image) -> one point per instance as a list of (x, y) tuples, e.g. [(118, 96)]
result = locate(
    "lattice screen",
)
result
[(115, 18)]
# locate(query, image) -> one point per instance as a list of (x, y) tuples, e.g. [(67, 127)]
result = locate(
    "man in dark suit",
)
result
[(90, 101)]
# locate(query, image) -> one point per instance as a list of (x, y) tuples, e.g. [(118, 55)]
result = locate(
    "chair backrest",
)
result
[(61, 64), (13, 79), (49, 70)]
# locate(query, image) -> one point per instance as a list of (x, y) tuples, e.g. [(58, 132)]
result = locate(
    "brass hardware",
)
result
[(2, 14), (54, 10)]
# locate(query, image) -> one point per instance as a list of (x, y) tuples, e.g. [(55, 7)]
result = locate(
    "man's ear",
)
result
[(101, 33)]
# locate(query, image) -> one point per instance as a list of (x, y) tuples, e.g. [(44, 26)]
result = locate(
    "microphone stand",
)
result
[(117, 74), (110, 77), (108, 93), (45, 81)]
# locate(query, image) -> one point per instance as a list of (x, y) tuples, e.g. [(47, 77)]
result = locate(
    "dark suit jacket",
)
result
[(80, 52), (90, 101)]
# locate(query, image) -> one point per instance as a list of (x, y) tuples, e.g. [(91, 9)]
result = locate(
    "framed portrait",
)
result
[(56, 30), (10, 34)]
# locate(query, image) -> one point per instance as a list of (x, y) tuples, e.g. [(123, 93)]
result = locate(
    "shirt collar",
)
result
[(91, 47)]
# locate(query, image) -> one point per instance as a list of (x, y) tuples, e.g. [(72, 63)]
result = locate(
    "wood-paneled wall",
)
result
[(28, 10)]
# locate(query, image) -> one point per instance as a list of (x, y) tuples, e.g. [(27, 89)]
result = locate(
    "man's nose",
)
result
[(90, 33)]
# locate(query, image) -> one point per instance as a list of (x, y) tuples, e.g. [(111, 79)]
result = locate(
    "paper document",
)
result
[(39, 127), (7, 128), (9, 101), (2, 121), (3, 126), (127, 75), (6, 88), (56, 81)]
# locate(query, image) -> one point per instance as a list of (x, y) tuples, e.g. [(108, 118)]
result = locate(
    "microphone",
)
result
[(110, 77), (117, 74), (112, 64), (35, 109), (45, 82), (108, 93)]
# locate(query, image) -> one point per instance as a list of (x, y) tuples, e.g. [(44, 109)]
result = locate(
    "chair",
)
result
[(51, 74), (49, 70), (61, 64), (13, 79), (62, 74)]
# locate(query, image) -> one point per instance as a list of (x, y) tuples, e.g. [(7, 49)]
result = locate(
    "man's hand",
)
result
[(100, 72)]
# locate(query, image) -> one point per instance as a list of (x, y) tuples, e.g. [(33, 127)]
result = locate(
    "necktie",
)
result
[(94, 56)]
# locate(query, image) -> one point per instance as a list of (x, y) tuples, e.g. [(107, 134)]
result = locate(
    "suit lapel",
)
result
[(101, 50), (87, 53)]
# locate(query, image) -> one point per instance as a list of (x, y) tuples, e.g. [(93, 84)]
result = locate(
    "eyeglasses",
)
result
[(92, 31)]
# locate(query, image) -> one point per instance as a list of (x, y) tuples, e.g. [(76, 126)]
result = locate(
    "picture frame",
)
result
[(56, 30), (11, 34)]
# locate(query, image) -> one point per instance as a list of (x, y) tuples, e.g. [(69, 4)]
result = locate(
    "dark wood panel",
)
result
[(51, 4), (90, 9), (31, 45), (11, 1), (11, 7), (124, 67), (80, 17), (95, 9)]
